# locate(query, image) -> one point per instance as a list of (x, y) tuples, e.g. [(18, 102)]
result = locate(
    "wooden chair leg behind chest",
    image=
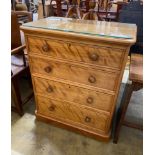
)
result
[(135, 84), (16, 97)]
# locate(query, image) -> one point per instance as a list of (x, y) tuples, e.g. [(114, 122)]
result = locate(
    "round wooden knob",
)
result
[(69, 45), (48, 69), (49, 89), (90, 100), (94, 56), (87, 119), (52, 107), (92, 79), (45, 48)]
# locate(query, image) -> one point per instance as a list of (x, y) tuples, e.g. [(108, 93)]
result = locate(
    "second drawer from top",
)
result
[(76, 73)]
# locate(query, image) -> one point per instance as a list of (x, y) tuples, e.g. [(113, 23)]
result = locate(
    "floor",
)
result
[(31, 137)]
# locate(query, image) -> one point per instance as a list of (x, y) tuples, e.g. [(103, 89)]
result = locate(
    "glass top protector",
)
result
[(87, 27)]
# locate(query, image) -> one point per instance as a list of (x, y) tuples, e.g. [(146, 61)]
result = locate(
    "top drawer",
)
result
[(102, 56)]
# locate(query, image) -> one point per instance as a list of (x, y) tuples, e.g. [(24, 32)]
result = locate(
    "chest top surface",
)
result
[(110, 31)]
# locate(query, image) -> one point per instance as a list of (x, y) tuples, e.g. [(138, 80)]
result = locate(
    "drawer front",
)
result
[(93, 77), (104, 56), (70, 93), (74, 113)]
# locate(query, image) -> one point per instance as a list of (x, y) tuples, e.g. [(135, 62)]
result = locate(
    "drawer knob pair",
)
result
[(94, 56), (48, 69), (87, 119), (45, 48), (90, 100), (52, 107), (92, 79), (49, 89)]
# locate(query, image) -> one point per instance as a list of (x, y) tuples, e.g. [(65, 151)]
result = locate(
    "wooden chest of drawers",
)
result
[(76, 76)]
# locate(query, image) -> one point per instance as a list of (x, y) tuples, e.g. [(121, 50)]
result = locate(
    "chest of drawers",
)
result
[(76, 76)]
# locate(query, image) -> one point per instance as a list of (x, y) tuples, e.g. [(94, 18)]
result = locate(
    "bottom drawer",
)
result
[(73, 113)]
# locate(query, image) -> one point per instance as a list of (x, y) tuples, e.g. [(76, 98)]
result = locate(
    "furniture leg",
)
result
[(27, 2), (87, 5), (17, 97), (124, 103), (59, 9), (13, 4), (31, 86), (29, 77), (43, 3)]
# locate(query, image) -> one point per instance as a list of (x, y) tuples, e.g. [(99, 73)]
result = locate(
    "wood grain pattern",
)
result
[(111, 57), (67, 92), (60, 64), (77, 73), (70, 112)]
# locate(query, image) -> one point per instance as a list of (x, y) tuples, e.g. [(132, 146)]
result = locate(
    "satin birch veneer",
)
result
[(77, 68)]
